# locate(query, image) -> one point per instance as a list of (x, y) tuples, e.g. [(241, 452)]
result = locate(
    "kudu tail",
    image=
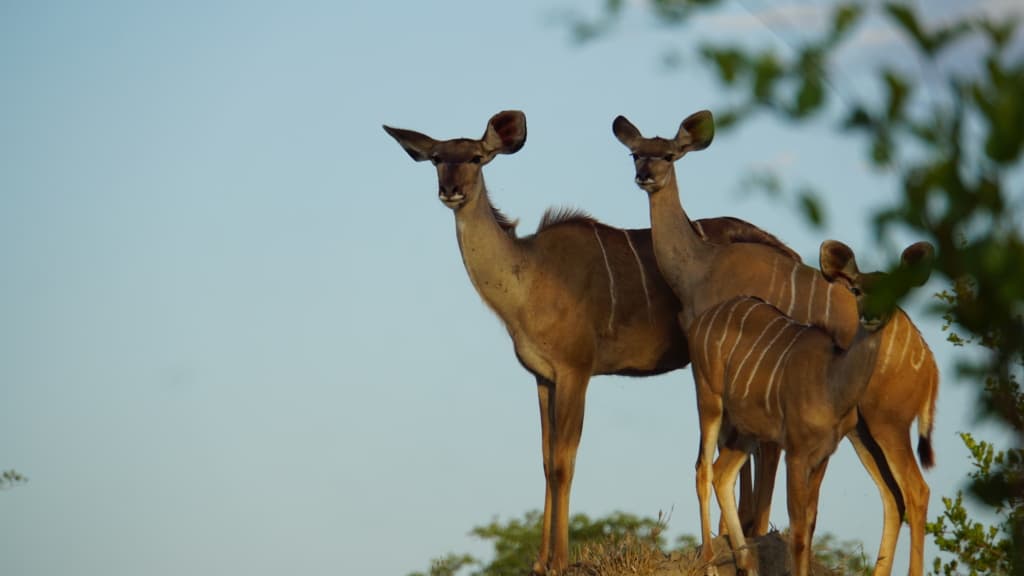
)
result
[(925, 421)]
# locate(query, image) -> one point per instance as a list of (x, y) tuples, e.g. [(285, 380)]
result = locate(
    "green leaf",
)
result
[(810, 97), (904, 16), (857, 118), (767, 72), (810, 205), (898, 91), (881, 149), (1001, 104), (729, 62), (846, 15)]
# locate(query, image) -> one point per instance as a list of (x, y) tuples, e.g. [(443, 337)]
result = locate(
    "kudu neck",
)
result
[(674, 234), (851, 371), (492, 255)]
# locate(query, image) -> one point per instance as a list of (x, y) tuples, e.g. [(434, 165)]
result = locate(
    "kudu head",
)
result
[(877, 292), (459, 161), (654, 157)]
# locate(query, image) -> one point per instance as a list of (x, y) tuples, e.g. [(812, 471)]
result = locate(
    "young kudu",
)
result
[(578, 298), (776, 380), (903, 388)]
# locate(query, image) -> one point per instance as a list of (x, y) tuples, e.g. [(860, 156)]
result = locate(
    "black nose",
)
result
[(449, 190)]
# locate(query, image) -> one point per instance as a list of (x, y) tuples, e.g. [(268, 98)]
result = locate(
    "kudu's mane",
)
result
[(507, 224), (561, 215)]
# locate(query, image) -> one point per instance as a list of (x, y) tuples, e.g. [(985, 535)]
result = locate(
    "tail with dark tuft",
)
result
[(925, 421), (924, 451)]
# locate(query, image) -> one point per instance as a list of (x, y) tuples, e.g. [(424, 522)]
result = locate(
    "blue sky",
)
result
[(237, 336)]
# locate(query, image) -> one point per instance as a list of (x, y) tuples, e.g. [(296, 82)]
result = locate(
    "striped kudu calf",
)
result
[(903, 387), (703, 274), (578, 298), (776, 380)]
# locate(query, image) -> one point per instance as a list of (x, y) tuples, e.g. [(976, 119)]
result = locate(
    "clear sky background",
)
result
[(236, 335)]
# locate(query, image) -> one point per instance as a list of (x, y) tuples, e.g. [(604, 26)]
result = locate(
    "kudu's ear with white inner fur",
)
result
[(837, 261), (696, 132), (417, 145), (626, 132), (505, 134)]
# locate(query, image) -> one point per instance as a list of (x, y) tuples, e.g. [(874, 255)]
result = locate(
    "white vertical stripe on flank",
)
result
[(753, 346), (906, 342), (643, 275), (725, 327), (694, 331), (792, 289), (611, 280), (828, 302), (888, 347), (778, 362), (707, 331), (924, 352), (739, 333), (810, 299)]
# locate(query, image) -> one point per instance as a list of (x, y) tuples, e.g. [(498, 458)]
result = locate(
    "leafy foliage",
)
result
[(977, 548), (619, 543), (516, 541), (11, 478)]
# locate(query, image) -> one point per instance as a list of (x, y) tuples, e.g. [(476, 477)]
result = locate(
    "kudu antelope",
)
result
[(776, 380), (578, 298), (703, 274), (901, 389)]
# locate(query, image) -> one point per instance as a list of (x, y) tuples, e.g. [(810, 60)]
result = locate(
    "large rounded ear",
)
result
[(837, 261), (626, 132), (415, 144), (506, 132), (918, 259), (696, 132)]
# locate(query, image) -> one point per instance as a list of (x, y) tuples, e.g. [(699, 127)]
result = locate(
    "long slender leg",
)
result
[(730, 461), (544, 394), (891, 516), (797, 479), (899, 456), (709, 411), (814, 489), (764, 487), (746, 503), (566, 429), (728, 436)]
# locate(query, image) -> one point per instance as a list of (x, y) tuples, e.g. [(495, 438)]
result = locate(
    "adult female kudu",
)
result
[(898, 392), (703, 274), (776, 380), (578, 298)]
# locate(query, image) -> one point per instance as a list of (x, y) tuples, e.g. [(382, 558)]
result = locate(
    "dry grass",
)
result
[(632, 556)]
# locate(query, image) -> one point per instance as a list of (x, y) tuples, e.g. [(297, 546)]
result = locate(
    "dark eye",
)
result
[(635, 156), (476, 159), (667, 158), (856, 291), (435, 160)]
